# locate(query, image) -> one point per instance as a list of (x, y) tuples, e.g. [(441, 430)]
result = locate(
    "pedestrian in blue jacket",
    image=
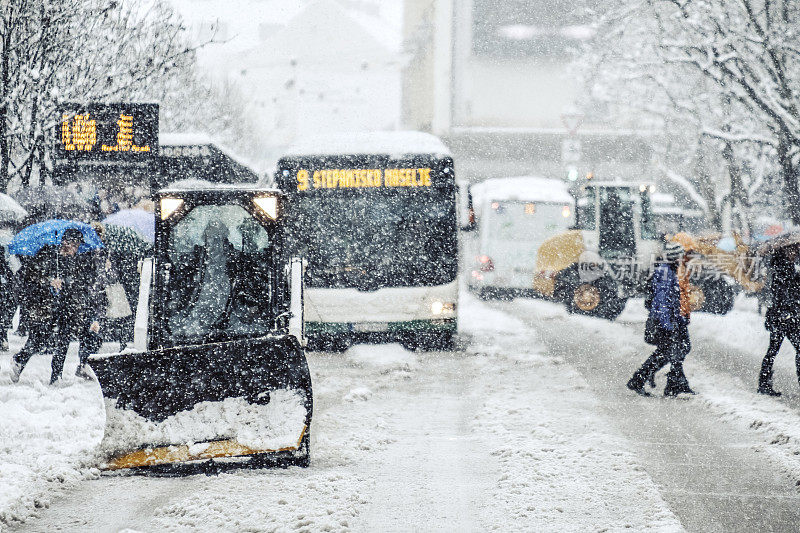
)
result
[(667, 326)]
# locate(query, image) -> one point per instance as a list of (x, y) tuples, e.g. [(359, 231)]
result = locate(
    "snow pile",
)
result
[(359, 394), (47, 434), (275, 425), (385, 358)]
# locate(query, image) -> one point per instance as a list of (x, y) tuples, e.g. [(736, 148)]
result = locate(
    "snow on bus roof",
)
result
[(368, 143), (524, 188)]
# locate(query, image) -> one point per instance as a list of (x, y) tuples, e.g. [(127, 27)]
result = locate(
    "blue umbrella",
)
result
[(33, 238)]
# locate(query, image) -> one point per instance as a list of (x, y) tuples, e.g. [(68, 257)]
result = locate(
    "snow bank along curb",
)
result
[(47, 434)]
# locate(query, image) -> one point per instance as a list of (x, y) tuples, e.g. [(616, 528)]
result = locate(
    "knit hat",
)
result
[(673, 251)]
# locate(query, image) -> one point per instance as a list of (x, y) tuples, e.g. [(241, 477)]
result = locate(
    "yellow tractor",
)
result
[(606, 259)]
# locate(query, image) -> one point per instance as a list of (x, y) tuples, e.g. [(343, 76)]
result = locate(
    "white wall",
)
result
[(513, 93)]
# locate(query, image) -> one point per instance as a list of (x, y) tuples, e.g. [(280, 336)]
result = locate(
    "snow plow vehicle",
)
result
[(218, 373), (606, 259)]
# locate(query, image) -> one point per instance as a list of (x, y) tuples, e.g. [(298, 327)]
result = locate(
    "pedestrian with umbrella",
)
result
[(60, 284), (783, 307)]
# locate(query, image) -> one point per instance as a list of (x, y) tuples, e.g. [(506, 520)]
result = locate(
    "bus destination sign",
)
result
[(107, 132), (363, 178)]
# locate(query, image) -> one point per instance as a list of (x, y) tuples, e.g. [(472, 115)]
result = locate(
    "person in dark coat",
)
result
[(124, 248), (96, 269), (669, 316), (8, 298), (783, 315), (60, 290)]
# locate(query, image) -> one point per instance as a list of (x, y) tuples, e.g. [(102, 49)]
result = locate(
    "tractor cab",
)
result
[(617, 221), (218, 266), (603, 260), (219, 371)]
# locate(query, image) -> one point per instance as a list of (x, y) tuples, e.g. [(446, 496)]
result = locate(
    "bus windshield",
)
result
[(381, 239), (529, 222)]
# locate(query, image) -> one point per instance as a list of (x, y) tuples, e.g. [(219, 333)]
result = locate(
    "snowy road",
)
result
[(714, 474), (529, 428)]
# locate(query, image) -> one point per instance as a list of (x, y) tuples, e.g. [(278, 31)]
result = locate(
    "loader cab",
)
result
[(219, 266)]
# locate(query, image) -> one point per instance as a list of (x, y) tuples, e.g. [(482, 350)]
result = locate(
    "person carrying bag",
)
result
[(667, 325)]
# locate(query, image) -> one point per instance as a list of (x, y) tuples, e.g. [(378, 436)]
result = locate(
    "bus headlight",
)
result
[(438, 308)]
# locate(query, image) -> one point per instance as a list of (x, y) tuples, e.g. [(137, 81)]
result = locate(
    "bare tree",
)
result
[(725, 70), (76, 50)]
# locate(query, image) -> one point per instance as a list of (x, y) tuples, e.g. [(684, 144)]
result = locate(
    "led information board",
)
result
[(107, 132), (363, 178)]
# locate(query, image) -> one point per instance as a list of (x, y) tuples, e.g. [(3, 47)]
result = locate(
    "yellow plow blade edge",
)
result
[(181, 453)]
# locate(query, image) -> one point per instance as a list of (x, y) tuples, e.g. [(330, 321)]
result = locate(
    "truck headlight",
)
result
[(267, 205)]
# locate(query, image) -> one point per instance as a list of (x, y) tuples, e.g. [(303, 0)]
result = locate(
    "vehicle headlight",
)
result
[(170, 206), (267, 205), (437, 308)]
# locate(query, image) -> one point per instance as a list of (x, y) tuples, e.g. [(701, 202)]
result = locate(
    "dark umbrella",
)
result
[(126, 241), (126, 247), (52, 202), (781, 241)]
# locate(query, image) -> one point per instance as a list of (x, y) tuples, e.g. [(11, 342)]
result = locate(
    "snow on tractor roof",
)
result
[(523, 188), (369, 143), (205, 185)]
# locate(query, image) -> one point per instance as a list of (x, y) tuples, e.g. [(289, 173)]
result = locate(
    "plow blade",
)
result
[(243, 398)]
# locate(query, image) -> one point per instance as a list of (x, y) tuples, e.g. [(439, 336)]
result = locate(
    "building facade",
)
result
[(497, 85)]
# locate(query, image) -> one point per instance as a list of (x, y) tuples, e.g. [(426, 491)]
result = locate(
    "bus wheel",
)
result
[(596, 298), (429, 342), (328, 343)]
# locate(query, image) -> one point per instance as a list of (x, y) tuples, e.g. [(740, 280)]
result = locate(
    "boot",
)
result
[(16, 370), (677, 382), (767, 390), (636, 383), (83, 373), (765, 379), (652, 380)]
